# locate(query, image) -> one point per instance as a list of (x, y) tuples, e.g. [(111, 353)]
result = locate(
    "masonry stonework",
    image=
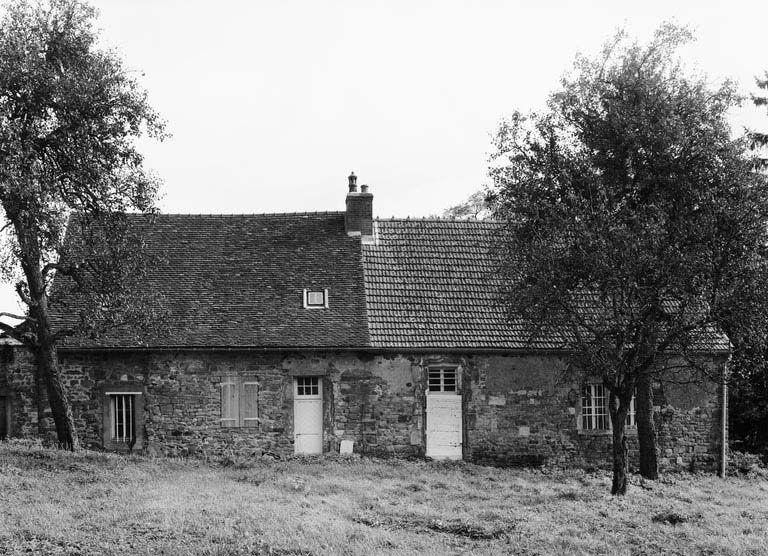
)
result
[(517, 409)]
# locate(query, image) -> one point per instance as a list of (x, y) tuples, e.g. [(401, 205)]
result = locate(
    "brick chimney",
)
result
[(358, 219)]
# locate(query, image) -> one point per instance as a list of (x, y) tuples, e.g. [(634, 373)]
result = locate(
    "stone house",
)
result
[(321, 332)]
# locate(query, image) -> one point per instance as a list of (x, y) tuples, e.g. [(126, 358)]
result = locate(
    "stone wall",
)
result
[(521, 410), (688, 422), (517, 410), (18, 384)]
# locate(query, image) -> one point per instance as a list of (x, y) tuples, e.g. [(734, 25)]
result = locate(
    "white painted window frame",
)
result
[(305, 297), (442, 376), (593, 416), (128, 416), (304, 396)]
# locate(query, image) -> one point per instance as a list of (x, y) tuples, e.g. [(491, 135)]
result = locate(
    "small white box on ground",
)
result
[(346, 446)]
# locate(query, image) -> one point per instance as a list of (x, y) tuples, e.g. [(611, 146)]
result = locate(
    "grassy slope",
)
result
[(90, 503)]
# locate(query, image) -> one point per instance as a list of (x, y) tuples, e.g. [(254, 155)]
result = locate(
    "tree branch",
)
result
[(23, 337), (23, 295), (19, 317)]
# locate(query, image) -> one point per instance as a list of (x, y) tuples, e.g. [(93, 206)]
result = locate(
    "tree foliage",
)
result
[(746, 320), (631, 215), (70, 112), (759, 139), (473, 207)]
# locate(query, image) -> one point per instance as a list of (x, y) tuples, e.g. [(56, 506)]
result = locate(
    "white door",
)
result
[(444, 432), (308, 415)]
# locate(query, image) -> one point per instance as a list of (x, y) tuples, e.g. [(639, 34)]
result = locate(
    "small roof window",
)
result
[(316, 299)]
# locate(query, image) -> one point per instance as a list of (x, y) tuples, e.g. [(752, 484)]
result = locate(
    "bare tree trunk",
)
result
[(618, 412), (66, 432), (41, 401), (44, 347), (646, 429)]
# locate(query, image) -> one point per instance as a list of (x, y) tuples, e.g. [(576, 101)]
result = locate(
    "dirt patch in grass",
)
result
[(422, 524), (675, 518)]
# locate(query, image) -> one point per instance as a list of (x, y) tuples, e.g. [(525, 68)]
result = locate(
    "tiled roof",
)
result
[(238, 281), (432, 284)]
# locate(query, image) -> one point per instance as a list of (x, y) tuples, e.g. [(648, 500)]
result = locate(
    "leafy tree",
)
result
[(631, 216), (69, 114), (474, 207), (760, 139), (745, 320)]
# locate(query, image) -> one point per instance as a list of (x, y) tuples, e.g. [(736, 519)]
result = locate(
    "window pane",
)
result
[(434, 380), (600, 407), (307, 386), (316, 298), (442, 380), (123, 417), (586, 408), (594, 408), (631, 413)]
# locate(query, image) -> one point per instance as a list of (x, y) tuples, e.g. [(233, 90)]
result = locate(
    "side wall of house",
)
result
[(516, 409)]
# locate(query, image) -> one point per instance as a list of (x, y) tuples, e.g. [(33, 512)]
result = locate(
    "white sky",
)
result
[(271, 104)]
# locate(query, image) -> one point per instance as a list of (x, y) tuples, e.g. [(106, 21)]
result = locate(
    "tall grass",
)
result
[(93, 503)]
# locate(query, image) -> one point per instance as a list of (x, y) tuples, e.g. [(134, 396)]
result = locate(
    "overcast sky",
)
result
[(271, 104)]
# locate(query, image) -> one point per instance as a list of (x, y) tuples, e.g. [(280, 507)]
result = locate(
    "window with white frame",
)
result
[(631, 413), (594, 408), (442, 379), (307, 386), (316, 299), (239, 401), (123, 417)]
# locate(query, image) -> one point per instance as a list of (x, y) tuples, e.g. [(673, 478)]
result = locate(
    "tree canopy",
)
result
[(70, 113), (632, 216), (745, 319)]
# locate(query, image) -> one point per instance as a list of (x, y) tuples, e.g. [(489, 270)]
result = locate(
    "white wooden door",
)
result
[(444, 423), (308, 415)]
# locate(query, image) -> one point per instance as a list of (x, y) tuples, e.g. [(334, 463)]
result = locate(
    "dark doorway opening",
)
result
[(3, 417)]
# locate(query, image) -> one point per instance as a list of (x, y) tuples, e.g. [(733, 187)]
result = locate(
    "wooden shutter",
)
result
[(249, 410), (229, 402)]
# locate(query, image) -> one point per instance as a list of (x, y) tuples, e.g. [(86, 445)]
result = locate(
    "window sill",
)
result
[(629, 431)]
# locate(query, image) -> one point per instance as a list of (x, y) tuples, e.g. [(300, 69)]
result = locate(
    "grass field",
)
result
[(93, 503)]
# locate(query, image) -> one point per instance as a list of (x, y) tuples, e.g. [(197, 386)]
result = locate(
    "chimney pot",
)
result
[(358, 219)]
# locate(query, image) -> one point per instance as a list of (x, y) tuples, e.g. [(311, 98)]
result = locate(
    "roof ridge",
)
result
[(439, 219), (230, 215)]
